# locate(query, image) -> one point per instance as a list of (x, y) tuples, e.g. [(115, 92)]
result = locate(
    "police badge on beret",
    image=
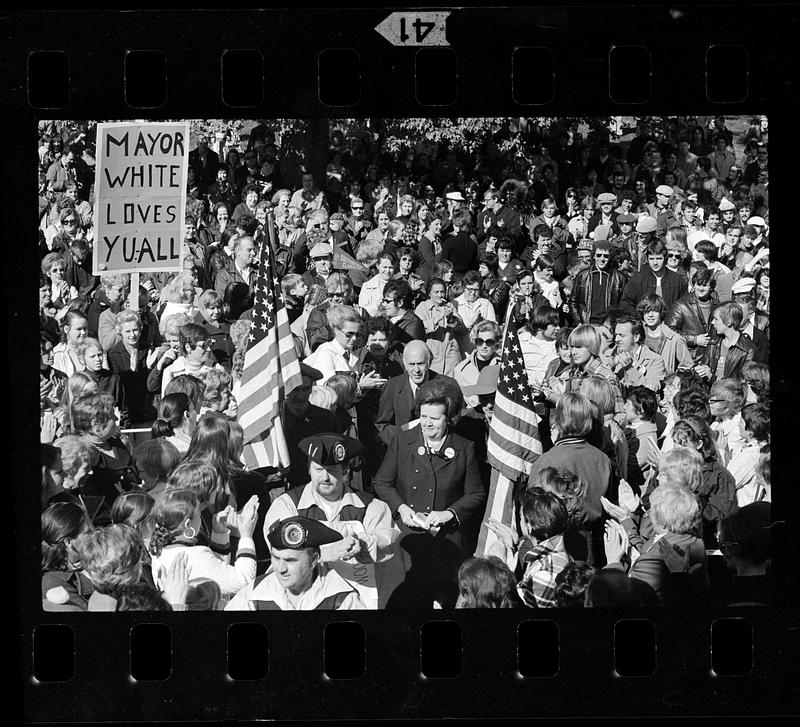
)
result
[(294, 534), (339, 452)]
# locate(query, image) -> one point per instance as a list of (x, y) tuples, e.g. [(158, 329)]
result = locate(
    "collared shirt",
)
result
[(244, 273), (327, 584), (331, 357), (543, 563), (471, 311)]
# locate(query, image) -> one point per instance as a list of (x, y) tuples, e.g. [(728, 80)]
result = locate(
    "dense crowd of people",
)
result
[(635, 272)]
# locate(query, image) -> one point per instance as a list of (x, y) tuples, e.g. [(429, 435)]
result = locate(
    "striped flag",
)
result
[(271, 368), (514, 443)]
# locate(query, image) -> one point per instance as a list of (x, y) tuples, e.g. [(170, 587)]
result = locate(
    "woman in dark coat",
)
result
[(211, 308), (128, 360), (431, 482)]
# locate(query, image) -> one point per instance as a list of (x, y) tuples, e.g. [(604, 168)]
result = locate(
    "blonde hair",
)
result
[(681, 467), (674, 509), (171, 324), (173, 290), (75, 452), (573, 415), (600, 393), (586, 336), (111, 280), (126, 316), (323, 397), (337, 315)]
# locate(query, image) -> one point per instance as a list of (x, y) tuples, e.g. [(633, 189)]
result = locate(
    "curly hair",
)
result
[(141, 597), (682, 467), (169, 515), (571, 584), (569, 487), (487, 583), (111, 557), (674, 508)]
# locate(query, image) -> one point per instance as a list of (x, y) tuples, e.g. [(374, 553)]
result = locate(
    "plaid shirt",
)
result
[(596, 369), (543, 562)]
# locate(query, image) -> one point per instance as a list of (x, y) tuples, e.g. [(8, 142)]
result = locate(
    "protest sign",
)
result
[(140, 196)]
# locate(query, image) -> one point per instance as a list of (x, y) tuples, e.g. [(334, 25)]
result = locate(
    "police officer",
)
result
[(297, 581), (369, 533)]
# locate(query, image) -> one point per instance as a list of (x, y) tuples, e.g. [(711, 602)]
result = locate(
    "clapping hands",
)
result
[(174, 580), (615, 540)]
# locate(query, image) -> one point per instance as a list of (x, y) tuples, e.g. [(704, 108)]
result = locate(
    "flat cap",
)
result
[(743, 285), (664, 189), (757, 221), (646, 224), (298, 532), (321, 249), (607, 198), (626, 219)]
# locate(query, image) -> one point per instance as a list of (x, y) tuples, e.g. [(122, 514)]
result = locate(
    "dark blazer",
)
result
[(222, 348), (409, 328), (134, 401), (673, 286), (462, 251), (430, 482), (397, 404), (761, 344)]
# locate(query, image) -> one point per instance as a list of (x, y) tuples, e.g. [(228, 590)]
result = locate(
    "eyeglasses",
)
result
[(356, 208), (601, 256), (337, 294), (389, 301), (70, 222), (473, 290), (674, 254), (485, 341), (348, 334)]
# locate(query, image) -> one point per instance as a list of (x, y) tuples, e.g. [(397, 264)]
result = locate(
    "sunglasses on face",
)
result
[(601, 256), (674, 255), (389, 301), (357, 208), (485, 341), (348, 334)]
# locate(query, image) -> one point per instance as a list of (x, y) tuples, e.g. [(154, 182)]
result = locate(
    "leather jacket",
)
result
[(580, 299), (686, 319), (738, 355)]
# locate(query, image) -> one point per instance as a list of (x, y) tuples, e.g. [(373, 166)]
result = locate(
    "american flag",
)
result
[(514, 441), (271, 368)]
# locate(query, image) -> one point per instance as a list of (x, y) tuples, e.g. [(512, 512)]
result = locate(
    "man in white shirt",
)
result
[(297, 581), (337, 356)]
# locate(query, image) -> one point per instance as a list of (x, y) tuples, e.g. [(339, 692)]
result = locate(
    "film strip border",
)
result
[(579, 663), (576, 60), (569, 60)]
